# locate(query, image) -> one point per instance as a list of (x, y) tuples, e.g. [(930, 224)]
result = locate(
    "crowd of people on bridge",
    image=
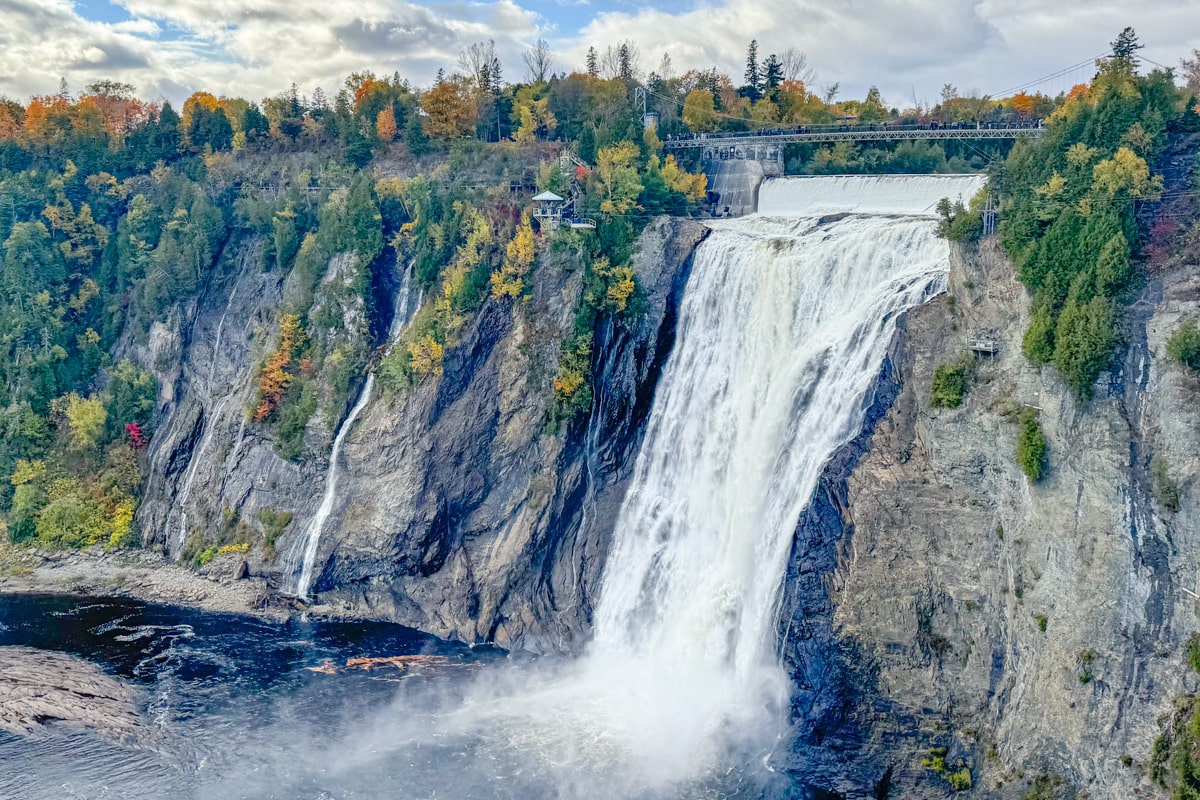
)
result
[(855, 127)]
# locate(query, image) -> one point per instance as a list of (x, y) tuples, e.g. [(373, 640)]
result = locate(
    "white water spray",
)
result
[(783, 329), (303, 552)]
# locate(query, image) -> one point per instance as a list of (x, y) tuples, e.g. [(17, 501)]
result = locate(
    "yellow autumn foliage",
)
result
[(425, 356), (509, 280)]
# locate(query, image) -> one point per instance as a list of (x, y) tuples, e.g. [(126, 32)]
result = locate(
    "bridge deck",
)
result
[(855, 134)]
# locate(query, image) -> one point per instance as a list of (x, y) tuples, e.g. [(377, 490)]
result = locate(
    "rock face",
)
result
[(463, 516), (935, 598), (458, 511), (938, 599), (41, 689)]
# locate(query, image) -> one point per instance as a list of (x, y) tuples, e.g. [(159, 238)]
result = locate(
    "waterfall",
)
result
[(783, 329), (303, 552)]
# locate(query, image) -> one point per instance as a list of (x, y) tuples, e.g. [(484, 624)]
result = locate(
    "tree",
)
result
[(753, 76), (509, 280), (616, 173), (699, 111), (86, 419), (209, 127), (1126, 45), (538, 61), (772, 75), (1191, 72), (274, 377), (450, 110), (872, 109), (1083, 343), (622, 60), (385, 125), (794, 64), (537, 121), (480, 62), (1031, 448), (1126, 173), (1184, 345), (593, 63), (31, 262)]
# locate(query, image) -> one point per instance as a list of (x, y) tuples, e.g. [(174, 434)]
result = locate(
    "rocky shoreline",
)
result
[(142, 575)]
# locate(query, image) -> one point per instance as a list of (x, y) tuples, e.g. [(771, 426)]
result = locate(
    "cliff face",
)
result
[(934, 599), (457, 511), (938, 599)]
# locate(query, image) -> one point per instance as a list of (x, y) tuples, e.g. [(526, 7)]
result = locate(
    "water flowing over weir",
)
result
[(783, 329)]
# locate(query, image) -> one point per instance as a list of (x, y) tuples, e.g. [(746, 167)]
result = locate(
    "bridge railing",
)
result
[(803, 134)]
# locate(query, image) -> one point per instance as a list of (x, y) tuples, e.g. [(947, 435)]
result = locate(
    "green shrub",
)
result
[(1031, 448), (960, 780), (274, 522), (1083, 343), (297, 408), (1184, 345), (1174, 760), (949, 384), (1083, 662), (1042, 621), (1166, 490), (207, 555), (1191, 649), (1047, 787)]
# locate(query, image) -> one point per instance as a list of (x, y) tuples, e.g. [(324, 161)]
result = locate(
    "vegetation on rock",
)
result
[(1031, 447)]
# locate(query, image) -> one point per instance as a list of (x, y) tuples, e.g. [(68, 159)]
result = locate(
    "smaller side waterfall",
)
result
[(303, 552), (312, 534)]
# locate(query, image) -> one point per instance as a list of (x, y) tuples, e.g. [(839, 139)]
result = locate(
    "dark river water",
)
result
[(238, 707), (232, 706)]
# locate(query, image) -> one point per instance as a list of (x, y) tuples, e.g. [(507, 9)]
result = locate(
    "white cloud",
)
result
[(905, 47), (254, 48)]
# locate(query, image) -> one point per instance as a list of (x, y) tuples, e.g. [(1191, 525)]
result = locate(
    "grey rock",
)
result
[(458, 511), (912, 608), (42, 690)]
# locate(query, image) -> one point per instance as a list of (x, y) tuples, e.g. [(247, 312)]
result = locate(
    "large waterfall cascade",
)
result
[(783, 329), (302, 556)]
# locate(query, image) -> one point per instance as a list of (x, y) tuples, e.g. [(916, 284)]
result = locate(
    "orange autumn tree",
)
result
[(385, 125), (451, 109), (275, 378), (1023, 103)]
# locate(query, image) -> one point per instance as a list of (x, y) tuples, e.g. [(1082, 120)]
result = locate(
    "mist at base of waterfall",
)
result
[(233, 710)]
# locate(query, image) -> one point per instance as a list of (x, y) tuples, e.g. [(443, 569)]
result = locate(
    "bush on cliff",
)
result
[(950, 382), (1184, 345), (1031, 448)]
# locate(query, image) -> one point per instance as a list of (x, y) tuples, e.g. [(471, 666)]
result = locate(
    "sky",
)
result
[(257, 48)]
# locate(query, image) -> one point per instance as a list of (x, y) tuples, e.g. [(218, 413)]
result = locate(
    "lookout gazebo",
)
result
[(552, 210), (549, 208)]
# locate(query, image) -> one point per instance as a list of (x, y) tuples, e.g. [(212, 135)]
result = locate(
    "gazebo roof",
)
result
[(546, 196)]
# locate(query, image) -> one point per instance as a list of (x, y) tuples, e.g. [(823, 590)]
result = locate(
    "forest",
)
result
[(115, 211)]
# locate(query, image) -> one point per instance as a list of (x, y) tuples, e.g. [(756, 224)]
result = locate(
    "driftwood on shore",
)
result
[(40, 689)]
